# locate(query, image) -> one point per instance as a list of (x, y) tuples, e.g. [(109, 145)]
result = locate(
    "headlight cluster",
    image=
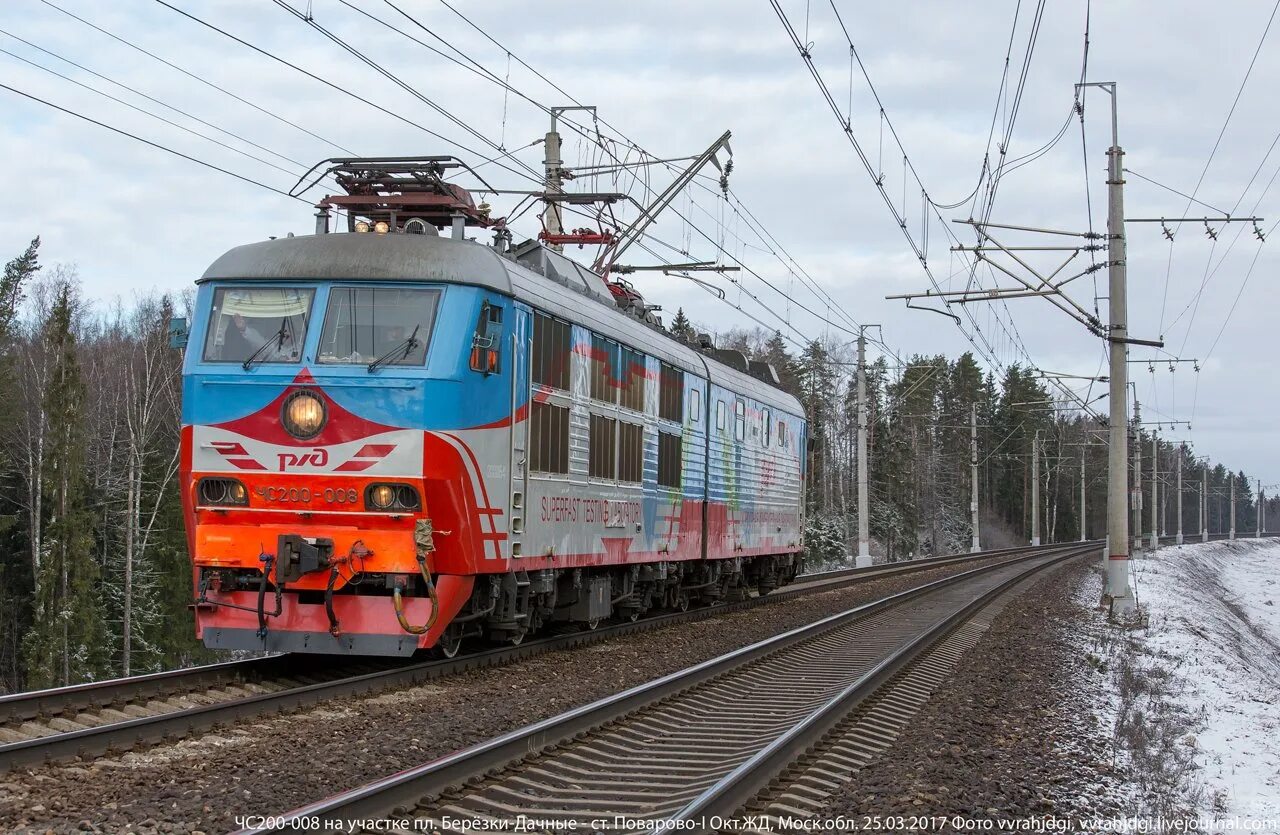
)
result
[(222, 491), (303, 414), (391, 497)]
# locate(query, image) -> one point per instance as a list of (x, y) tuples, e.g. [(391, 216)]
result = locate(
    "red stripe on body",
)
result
[(374, 451), (355, 466)]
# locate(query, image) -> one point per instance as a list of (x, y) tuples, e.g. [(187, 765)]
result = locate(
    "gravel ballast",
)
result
[(1015, 733), (271, 765)]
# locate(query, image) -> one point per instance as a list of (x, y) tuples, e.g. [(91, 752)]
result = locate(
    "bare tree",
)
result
[(150, 413), (27, 434)]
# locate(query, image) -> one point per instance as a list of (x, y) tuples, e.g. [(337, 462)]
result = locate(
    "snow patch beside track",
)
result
[(1212, 627)]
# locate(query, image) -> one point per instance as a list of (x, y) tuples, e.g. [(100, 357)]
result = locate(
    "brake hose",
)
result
[(398, 601)]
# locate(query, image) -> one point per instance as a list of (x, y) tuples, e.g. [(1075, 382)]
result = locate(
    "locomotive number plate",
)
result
[(307, 495)]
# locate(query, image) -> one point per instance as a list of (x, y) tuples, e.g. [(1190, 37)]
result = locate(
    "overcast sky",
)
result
[(672, 76)]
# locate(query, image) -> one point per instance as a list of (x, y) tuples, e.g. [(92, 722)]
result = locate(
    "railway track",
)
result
[(43, 713), (117, 715), (700, 745)]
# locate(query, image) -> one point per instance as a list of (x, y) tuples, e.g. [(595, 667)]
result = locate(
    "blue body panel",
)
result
[(443, 394)]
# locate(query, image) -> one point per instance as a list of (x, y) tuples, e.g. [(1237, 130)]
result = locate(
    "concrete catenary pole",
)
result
[(1164, 509), (1232, 534), (864, 503), (1118, 310), (1182, 451), (1035, 489), (1155, 487), (554, 182), (1204, 505), (1084, 517), (1135, 495), (1117, 590), (976, 545), (1257, 517)]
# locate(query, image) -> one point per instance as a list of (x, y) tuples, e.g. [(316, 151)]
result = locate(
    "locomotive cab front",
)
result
[(327, 509)]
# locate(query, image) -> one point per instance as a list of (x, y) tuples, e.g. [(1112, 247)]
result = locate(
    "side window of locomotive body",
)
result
[(602, 449), (551, 347), (632, 372), (549, 422), (740, 420), (549, 438), (363, 324), (630, 452), (670, 460), (720, 416), (695, 406), (604, 365), (244, 319), (670, 393)]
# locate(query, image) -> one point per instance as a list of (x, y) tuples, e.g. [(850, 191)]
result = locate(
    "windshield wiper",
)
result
[(403, 350), (277, 337)]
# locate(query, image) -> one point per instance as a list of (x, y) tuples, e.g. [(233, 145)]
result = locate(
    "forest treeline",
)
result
[(918, 455), (94, 574), (94, 577)]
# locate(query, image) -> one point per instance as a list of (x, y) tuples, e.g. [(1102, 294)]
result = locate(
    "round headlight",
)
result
[(217, 491), (407, 497), (304, 415), (213, 491), (382, 227), (382, 496), (362, 226)]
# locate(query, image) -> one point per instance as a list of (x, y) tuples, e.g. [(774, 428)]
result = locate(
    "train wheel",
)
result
[(517, 639), (634, 616), (450, 642), (682, 603), (593, 624)]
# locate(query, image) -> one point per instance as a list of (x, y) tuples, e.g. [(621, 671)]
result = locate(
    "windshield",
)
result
[(365, 323), (244, 319)]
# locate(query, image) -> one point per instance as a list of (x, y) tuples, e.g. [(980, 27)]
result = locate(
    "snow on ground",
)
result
[(1213, 621)]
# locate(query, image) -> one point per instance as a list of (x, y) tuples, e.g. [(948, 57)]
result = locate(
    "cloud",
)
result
[(673, 76)]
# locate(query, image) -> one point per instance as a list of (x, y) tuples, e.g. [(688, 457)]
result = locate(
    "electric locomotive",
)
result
[(396, 437)]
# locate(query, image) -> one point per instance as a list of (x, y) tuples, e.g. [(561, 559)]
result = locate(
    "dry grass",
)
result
[(1156, 735)]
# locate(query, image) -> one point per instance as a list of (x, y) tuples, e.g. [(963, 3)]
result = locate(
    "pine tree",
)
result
[(16, 579), (776, 354), (817, 395), (66, 642), (680, 327), (960, 392), (17, 274)]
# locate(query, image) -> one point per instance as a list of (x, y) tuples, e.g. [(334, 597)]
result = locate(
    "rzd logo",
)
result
[(314, 458)]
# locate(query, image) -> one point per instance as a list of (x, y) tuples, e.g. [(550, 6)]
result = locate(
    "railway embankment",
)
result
[(1196, 682), (1060, 714)]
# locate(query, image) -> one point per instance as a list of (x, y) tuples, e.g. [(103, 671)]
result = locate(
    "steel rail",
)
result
[(402, 791), (126, 734), (285, 669), (59, 701), (56, 701), (736, 789)]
